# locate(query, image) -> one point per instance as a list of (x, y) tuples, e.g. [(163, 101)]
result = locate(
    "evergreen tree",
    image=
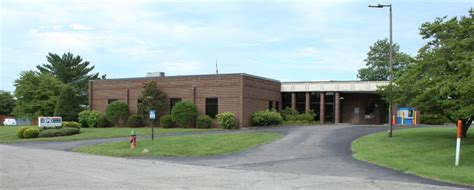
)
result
[(70, 70), (152, 98), (68, 105)]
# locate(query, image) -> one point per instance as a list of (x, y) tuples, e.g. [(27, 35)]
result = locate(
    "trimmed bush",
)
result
[(288, 112), (30, 132), (93, 118), (19, 132), (433, 119), (102, 122), (204, 121), (83, 115), (71, 124), (306, 117), (184, 114), (117, 112), (66, 131), (227, 120), (135, 120), (266, 118), (166, 121)]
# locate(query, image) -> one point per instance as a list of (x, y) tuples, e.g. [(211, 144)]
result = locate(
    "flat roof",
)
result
[(193, 76), (332, 86)]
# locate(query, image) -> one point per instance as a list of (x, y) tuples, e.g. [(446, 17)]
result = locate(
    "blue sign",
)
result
[(152, 114)]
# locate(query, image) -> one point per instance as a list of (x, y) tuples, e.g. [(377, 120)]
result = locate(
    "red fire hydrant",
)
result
[(133, 140)]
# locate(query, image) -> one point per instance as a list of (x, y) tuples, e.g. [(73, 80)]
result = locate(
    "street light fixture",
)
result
[(390, 66)]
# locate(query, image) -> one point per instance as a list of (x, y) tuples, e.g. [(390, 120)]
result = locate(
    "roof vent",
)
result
[(155, 74)]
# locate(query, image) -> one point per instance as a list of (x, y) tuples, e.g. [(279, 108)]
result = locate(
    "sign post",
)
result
[(152, 114), (458, 143)]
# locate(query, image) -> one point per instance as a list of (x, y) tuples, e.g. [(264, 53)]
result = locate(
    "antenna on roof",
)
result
[(217, 68)]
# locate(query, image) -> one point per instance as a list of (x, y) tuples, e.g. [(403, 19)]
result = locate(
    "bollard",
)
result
[(403, 118), (414, 117), (458, 143)]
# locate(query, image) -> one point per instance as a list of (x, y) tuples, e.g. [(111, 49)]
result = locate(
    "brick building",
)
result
[(353, 102)]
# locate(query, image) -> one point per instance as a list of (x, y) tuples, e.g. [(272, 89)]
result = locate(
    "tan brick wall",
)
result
[(256, 95), (228, 89)]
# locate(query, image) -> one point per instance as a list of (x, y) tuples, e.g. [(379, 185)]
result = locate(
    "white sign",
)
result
[(152, 114), (50, 121)]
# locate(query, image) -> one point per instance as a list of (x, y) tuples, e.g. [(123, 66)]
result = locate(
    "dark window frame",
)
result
[(173, 101), (211, 107), (109, 101)]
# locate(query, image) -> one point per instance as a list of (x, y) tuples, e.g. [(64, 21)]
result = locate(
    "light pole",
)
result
[(390, 60)]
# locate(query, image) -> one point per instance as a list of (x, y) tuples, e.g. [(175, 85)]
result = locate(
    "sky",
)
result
[(282, 40)]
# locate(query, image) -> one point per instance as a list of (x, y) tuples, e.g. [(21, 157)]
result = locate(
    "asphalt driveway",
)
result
[(322, 150)]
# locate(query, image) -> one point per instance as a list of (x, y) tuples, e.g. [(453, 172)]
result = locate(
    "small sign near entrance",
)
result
[(152, 114), (50, 122)]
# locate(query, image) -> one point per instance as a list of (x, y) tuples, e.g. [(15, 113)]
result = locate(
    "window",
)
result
[(370, 110), (173, 101), (211, 107), (111, 100), (286, 100), (301, 102), (277, 105), (270, 105)]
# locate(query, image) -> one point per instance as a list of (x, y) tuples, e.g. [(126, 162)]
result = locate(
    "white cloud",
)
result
[(79, 27)]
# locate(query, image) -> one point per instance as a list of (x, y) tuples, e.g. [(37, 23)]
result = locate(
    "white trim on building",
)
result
[(332, 86)]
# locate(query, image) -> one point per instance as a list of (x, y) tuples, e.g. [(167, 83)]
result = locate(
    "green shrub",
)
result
[(204, 121), (71, 124), (83, 115), (117, 112), (266, 118), (433, 119), (102, 121), (288, 112), (66, 131), (184, 114), (135, 120), (19, 132), (30, 132), (306, 117), (296, 122), (227, 120), (93, 118), (166, 121)]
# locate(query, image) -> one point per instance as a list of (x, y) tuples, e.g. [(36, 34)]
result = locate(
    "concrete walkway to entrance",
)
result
[(321, 153)]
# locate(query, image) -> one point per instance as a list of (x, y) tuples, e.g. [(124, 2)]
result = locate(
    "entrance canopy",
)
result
[(332, 86)]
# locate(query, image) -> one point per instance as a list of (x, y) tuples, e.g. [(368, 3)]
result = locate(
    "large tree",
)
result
[(377, 61), (152, 98), (6, 103), (36, 94), (68, 105), (441, 81), (71, 70)]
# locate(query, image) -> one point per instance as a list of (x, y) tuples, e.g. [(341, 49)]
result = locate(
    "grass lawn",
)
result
[(8, 133), (191, 145), (427, 152)]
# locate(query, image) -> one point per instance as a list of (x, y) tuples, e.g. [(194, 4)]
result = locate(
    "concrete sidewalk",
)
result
[(26, 168)]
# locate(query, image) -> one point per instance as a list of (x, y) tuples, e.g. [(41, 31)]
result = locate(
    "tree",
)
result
[(441, 81), (377, 62), (71, 70), (116, 112), (152, 98), (68, 104), (6, 103), (37, 94)]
